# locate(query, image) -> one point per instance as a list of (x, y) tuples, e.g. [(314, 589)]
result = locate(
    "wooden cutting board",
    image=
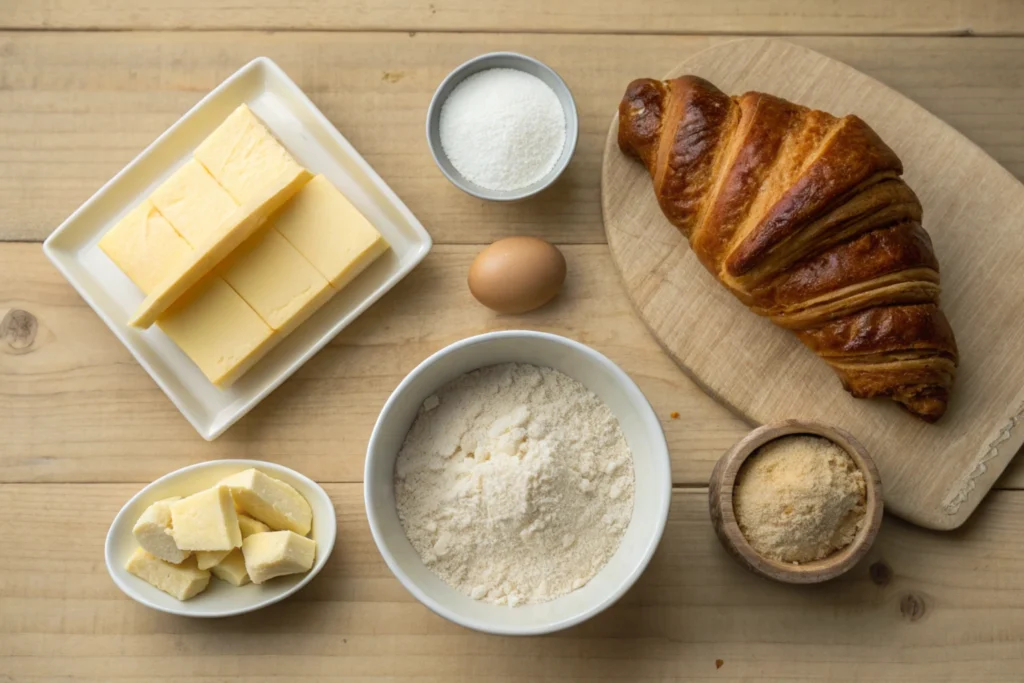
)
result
[(932, 475)]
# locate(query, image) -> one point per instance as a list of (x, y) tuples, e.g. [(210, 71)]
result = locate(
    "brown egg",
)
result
[(517, 274)]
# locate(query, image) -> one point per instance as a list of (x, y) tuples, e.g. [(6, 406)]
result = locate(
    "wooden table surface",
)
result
[(85, 85)]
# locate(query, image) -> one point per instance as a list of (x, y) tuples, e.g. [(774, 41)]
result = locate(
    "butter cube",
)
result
[(250, 526), (206, 521), (153, 532), (242, 154), (209, 559), (270, 500), (277, 553), (193, 202), (329, 231), (217, 244), (221, 333), (182, 581), (276, 281), (145, 246), (232, 569)]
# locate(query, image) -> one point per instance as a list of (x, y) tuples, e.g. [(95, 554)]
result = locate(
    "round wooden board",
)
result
[(934, 475)]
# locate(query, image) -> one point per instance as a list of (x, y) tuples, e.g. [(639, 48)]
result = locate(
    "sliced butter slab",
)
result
[(228, 236), (270, 500), (182, 581), (325, 227), (243, 155), (232, 569), (193, 202), (210, 559), (145, 246), (277, 553), (206, 521), (250, 526), (274, 278), (221, 333), (152, 531)]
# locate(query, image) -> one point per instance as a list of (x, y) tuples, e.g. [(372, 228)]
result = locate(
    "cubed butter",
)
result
[(232, 569), (209, 559), (277, 553), (221, 333), (276, 281), (243, 155), (193, 202), (182, 581), (270, 500), (231, 233), (145, 246), (206, 521), (324, 226), (153, 532)]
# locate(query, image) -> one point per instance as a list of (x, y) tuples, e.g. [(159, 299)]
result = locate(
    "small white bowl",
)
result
[(502, 60), (640, 426), (220, 599)]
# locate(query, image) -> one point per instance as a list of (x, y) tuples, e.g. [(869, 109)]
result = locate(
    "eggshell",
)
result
[(517, 274)]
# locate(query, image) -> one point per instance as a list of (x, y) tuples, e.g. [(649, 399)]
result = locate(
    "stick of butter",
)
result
[(182, 581), (206, 521), (153, 532), (218, 244), (277, 553), (270, 500), (232, 569)]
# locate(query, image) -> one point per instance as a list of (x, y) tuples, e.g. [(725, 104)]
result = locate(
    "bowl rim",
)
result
[(723, 516), (457, 75), (663, 464), (323, 554)]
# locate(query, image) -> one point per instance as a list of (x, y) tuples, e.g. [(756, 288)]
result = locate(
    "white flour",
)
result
[(514, 484), (502, 129)]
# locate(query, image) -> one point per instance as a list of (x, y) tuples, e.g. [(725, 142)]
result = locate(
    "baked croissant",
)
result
[(804, 217)]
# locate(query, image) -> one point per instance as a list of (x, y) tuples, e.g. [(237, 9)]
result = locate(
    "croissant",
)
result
[(804, 217)]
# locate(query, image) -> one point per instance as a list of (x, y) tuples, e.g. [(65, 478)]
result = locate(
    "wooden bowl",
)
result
[(723, 480)]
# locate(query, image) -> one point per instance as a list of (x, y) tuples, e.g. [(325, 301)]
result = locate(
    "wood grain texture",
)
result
[(921, 606), (933, 475), (76, 107), (75, 406), (971, 17)]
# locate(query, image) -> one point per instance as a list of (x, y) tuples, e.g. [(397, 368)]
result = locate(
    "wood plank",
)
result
[(74, 405), (922, 606), (972, 17), (76, 107)]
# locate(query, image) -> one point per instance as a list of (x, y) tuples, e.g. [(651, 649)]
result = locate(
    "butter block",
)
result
[(183, 581), (277, 553), (324, 226), (238, 227), (206, 521), (209, 559), (145, 246), (152, 531), (232, 569), (243, 155), (276, 281), (193, 202), (221, 333), (270, 500)]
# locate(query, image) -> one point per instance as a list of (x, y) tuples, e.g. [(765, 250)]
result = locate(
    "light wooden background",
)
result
[(85, 85)]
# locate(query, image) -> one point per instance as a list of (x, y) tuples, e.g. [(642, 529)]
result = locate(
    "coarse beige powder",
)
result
[(799, 499)]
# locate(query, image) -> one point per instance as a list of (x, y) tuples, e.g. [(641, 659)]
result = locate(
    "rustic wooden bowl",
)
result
[(723, 517)]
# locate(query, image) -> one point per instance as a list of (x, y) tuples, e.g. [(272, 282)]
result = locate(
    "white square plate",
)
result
[(318, 146)]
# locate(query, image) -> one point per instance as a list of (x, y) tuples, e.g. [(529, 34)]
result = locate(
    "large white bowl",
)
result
[(643, 435), (220, 599)]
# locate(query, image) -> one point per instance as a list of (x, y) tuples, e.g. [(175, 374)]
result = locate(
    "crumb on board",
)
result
[(674, 415), (719, 663)]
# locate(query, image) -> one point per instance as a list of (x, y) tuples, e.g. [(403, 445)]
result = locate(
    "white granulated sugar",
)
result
[(502, 129), (514, 484)]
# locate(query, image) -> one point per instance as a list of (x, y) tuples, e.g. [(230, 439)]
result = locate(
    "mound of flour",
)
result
[(514, 484)]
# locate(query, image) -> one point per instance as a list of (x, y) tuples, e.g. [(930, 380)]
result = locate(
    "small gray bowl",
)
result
[(502, 60)]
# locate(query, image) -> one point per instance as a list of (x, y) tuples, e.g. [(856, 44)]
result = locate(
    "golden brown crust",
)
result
[(805, 218)]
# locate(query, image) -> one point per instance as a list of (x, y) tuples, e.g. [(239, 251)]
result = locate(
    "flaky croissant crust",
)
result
[(804, 217)]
